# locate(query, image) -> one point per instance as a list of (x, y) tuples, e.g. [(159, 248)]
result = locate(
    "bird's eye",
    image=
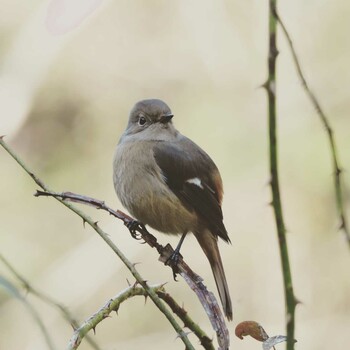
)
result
[(142, 121)]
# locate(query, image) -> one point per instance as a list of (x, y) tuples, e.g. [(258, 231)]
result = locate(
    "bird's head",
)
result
[(151, 119)]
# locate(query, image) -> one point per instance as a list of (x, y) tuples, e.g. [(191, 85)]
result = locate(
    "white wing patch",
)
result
[(196, 181)]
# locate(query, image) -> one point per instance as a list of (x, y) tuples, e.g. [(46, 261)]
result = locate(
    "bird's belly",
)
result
[(164, 212), (152, 203)]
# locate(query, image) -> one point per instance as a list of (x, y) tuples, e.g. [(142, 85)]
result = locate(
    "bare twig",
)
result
[(114, 303), (337, 170), (139, 231), (209, 303), (104, 312), (275, 188), (153, 296), (47, 299)]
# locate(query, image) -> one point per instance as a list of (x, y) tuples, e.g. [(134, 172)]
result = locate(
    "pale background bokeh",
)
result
[(64, 101)]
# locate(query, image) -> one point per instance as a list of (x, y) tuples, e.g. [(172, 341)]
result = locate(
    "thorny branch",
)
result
[(153, 296), (104, 312), (114, 303), (205, 341), (337, 170), (139, 231), (270, 86)]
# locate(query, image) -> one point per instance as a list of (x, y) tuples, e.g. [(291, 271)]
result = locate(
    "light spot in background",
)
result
[(63, 15), (24, 67)]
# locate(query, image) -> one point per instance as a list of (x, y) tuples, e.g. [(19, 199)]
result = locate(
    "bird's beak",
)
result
[(166, 118)]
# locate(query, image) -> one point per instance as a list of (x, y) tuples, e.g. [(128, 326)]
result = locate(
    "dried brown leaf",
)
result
[(252, 328)]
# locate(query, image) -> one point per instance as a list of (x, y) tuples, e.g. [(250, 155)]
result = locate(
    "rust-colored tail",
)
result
[(209, 244)]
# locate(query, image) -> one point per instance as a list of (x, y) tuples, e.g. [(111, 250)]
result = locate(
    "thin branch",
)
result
[(47, 299), (275, 188), (157, 301), (337, 170), (112, 305), (139, 231)]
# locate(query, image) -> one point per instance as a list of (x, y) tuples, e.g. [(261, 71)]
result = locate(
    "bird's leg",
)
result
[(175, 256)]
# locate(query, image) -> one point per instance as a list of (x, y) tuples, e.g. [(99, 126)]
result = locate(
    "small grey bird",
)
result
[(168, 182)]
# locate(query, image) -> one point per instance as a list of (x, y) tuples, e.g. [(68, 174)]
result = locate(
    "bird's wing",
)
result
[(194, 178)]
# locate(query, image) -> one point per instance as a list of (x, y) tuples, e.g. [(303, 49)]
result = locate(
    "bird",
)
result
[(166, 181)]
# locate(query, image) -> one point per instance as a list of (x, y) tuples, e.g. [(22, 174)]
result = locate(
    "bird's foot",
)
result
[(133, 226)]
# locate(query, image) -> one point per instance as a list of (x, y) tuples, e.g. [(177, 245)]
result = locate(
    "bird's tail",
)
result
[(209, 244)]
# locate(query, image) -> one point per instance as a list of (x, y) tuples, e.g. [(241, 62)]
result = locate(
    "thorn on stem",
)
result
[(269, 182), (264, 85), (297, 301), (342, 223), (162, 285)]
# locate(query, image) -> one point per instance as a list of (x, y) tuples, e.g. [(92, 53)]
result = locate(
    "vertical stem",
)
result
[(276, 198), (331, 138)]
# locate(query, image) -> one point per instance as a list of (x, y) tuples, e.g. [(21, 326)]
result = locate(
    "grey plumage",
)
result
[(169, 183)]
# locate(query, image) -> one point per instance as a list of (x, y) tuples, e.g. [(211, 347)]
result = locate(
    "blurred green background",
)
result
[(64, 101)]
